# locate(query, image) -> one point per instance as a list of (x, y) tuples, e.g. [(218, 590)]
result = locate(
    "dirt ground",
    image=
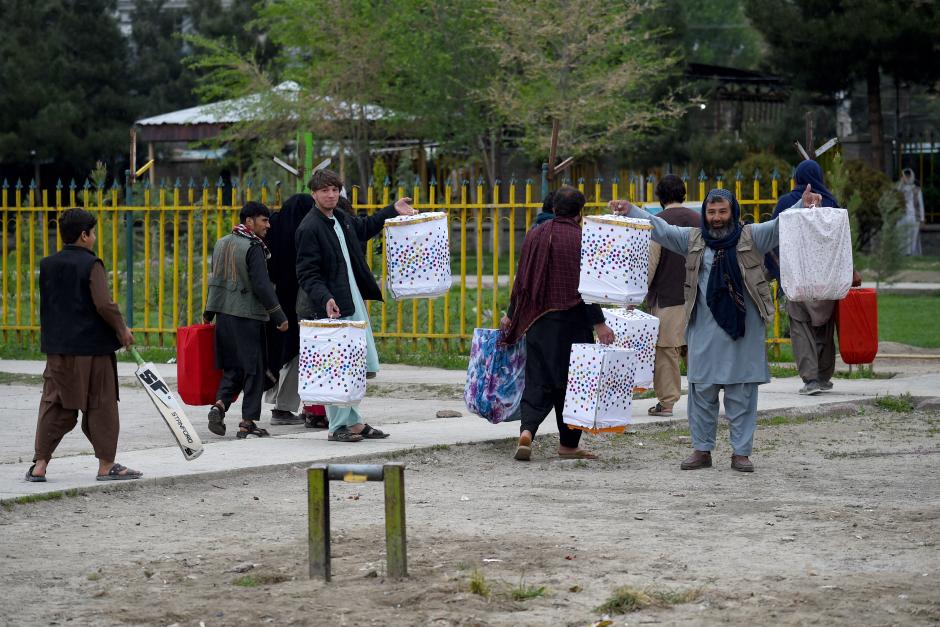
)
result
[(839, 525)]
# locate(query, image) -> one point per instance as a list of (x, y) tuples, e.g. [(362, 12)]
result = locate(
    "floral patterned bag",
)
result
[(495, 377)]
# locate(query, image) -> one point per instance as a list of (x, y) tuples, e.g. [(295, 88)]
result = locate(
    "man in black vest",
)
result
[(242, 300), (80, 328), (666, 297)]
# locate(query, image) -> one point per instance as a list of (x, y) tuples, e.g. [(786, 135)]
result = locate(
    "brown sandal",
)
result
[(248, 427)]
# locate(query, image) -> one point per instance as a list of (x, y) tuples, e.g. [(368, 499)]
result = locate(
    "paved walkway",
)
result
[(403, 400)]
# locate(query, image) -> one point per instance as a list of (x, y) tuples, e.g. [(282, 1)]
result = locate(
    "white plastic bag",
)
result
[(417, 255), (636, 330), (815, 253), (332, 362), (599, 395), (615, 255)]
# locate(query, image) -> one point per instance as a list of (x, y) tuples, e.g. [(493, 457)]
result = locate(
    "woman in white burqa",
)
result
[(913, 212)]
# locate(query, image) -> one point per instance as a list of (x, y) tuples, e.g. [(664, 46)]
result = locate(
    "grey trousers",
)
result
[(285, 396), (740, 407), (814, 349)]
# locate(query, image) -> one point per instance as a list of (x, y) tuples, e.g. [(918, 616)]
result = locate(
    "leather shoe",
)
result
[(741, 463), (698, 459)]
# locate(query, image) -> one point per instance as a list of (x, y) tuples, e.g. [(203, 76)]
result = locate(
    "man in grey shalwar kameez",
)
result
[(727, 305)]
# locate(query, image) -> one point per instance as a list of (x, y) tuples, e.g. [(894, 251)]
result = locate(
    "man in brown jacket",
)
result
[(666, 297), (80, 328)]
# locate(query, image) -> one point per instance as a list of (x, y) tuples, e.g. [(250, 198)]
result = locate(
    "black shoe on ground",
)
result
[(825, 386), (216, 415), (282, 417)]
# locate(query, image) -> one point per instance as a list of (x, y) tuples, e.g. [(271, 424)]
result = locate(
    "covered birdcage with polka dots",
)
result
[(615, 254), (332, 362)]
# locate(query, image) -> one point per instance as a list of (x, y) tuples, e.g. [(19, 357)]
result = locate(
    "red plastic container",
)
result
[(196, 374), (857, 319)]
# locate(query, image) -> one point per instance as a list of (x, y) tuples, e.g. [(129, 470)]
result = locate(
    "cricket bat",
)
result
[(170, 410)]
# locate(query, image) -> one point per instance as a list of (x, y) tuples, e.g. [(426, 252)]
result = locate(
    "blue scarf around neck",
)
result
[(725, 293)]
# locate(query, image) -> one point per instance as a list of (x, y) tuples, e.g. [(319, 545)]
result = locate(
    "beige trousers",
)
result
[(667, 380)]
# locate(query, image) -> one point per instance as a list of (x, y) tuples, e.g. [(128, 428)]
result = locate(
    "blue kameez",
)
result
[(348, 416)]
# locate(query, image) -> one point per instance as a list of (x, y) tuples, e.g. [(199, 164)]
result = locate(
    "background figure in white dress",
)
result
[(913, 211)]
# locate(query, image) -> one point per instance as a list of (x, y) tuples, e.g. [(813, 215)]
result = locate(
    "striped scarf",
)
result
[(242, 230)]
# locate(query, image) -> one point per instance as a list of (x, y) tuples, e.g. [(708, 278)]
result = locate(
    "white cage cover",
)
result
[(599, 394), (332, 362), (815, 253), (637, 331), (615, 255), (417, 255)]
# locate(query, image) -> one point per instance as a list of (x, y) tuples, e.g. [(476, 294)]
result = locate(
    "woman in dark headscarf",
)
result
[(284, 347), (546, 308)]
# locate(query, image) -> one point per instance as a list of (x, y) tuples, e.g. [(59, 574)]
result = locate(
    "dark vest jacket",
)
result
[(230, 289), (667, 289), (69, 322)]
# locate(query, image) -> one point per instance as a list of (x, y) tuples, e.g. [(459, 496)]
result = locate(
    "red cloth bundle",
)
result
[(196, 375), (857, 319)]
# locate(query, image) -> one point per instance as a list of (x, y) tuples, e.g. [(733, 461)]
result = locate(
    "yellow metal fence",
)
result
[(175, 227)]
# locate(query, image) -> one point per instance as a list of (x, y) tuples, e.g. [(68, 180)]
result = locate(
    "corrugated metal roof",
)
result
[(241, 110)]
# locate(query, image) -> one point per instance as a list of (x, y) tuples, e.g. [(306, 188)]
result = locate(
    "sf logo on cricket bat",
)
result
[(154, 382)]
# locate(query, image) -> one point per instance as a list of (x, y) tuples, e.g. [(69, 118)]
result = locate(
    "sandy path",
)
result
[(838, 525)]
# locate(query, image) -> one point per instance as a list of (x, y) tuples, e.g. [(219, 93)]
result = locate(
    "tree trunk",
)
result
[(875, 129)]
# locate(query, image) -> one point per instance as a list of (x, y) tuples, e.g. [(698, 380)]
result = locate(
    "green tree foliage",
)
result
[(826, 45), (718, 32), (888, 255), (587, 64), (64, 81), (160, 79)]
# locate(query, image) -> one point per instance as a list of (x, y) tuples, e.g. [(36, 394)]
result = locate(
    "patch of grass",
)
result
[(38, 498), (247, 581), (524, 592), (779, 371), (93, 577), (439, 447), (777, 421), (908, 319), (902, 403), (626, 599), (863, 372), (479, 585), (676, 597)]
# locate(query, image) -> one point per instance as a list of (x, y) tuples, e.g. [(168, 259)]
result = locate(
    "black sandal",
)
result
[(316, 422), (248, 427), (216, 416), (371, 433), (31, 477), (343, 434)]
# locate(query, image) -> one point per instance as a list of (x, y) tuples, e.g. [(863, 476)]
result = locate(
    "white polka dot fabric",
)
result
[(599, 394), (815, 253), (614, 259), (332, 362), (417, 255), (636, 330)]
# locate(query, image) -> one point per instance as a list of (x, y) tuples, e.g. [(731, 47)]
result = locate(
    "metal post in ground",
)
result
[(395, 540), (129, 233), (318, 521)]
